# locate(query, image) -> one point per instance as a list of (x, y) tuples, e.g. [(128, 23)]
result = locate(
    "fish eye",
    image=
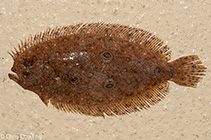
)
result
[(26, 73), (27, 63)]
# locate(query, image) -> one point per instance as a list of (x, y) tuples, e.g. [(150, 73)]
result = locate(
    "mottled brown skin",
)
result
[(93, 71), (53, 71)]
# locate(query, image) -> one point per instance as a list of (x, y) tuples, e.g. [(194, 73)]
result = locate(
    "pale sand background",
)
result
[(185, 114)]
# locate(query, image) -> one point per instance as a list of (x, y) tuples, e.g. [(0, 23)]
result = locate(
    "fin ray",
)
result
[(133, 104), (149, 41)]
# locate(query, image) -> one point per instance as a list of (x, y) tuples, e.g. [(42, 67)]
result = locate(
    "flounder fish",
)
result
[(100, 69)]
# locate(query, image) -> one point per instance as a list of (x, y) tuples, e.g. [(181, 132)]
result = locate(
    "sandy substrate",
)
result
[(185, 114)]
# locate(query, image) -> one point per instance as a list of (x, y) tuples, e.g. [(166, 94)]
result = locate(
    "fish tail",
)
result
[(187, 70)]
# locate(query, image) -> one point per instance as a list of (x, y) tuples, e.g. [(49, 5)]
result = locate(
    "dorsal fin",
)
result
[(150, 41)]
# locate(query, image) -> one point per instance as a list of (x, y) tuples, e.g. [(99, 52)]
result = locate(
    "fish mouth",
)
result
[(14, 77)]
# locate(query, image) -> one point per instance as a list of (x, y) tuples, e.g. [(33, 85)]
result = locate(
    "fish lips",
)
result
[(14, 77)]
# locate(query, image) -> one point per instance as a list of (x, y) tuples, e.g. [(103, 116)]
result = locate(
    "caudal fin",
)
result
[(188, 70)]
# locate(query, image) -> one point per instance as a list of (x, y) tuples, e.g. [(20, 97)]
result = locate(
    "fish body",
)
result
[(98, 68)]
